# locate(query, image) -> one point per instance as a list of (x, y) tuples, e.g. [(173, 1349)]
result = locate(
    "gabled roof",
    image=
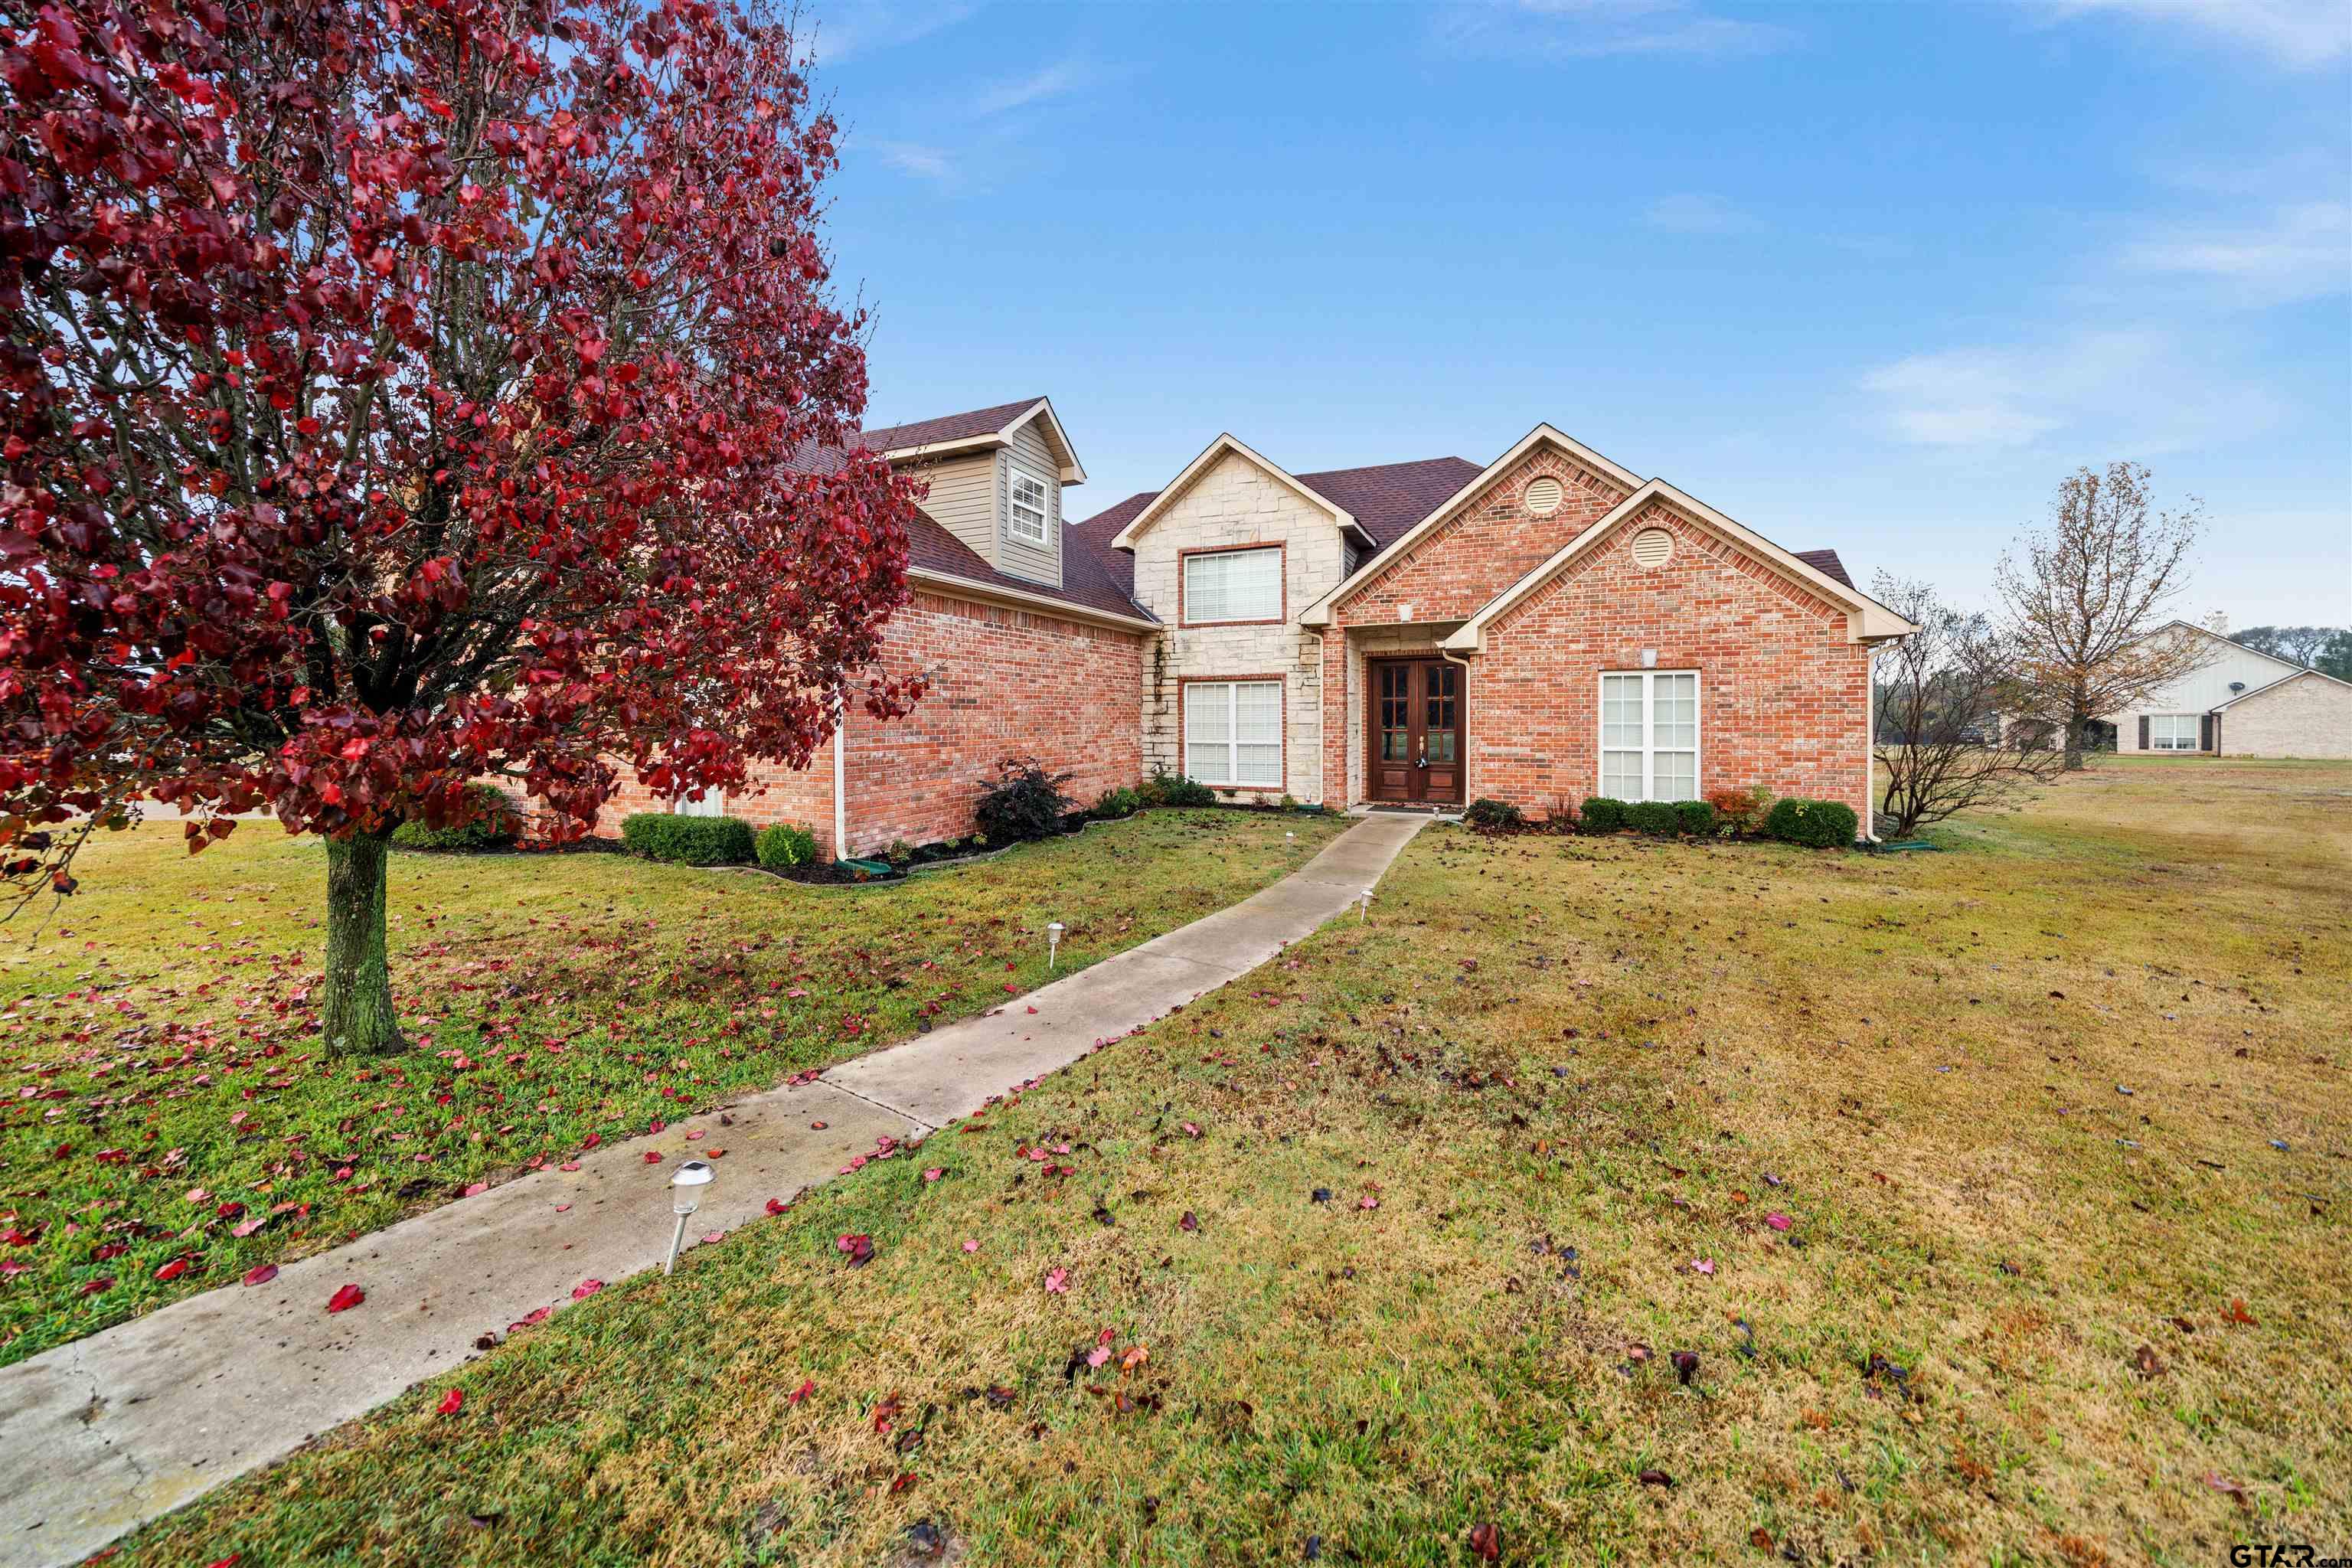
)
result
[(1320, 613), (1228, 444), (1385, 500), (975, 430), (1826, 561), (2293, 671), (1868, 620)]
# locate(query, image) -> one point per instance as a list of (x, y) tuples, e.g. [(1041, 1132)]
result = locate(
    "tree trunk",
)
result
[(355, 1016), (2075, 725)]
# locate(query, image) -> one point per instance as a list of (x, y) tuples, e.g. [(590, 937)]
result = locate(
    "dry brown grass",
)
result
[(1637, 1051)]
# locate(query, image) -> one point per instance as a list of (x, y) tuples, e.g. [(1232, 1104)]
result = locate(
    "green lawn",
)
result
[(1852, 1134), (164, 1089)]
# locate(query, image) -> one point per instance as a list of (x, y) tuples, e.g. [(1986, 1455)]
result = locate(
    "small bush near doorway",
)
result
[(1495, 816)]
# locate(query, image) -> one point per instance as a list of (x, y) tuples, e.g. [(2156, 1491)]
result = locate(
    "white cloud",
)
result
[(1693, 212), (1052, 81), (2304, 34), (1589, 29), (851, 27), (2297, 252), (2136, 393), (923, 162)]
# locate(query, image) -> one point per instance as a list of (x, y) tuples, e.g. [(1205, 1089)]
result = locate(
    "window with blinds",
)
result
[(1025, 516), (1649, 735), (1233, 732), (1233, 585)]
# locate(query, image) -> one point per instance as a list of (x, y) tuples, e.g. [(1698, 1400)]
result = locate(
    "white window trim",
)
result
[(1281, 563), (2196, 737), (1234, 731), (712, 804), (1013, 474), (1649, 733)]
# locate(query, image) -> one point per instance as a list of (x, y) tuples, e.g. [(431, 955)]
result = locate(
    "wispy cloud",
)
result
[(2139, 392), (1693, 212), (1591, 29), (1051, 82), (2297, 252), (849, 29), (935, 163), (2304, 34)]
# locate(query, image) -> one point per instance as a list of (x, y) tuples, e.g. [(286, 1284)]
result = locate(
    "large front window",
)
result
[(1233, 585), (1649, 735), (2172, 733), (1233, 732)]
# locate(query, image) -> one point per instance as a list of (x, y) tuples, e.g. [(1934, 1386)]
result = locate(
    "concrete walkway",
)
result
[(103, 1434)]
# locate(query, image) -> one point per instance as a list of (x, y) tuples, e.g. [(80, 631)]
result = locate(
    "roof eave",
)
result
[(1000, 592)]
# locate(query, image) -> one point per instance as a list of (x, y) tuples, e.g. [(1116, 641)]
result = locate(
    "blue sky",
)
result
[(1867, 276)]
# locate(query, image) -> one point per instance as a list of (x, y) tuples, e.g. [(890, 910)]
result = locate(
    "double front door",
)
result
[(1415, 732)]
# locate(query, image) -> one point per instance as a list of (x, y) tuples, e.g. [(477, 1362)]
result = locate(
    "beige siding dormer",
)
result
[(962, 498), (1026, 453)]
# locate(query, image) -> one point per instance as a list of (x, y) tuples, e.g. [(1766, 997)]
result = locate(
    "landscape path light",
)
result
[(1366, 907), (685, 1195), (1053, 930)]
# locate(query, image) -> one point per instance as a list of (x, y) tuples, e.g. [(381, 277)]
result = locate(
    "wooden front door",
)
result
[(1415, 732)]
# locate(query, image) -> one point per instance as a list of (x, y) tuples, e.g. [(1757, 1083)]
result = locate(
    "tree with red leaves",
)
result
[(395, 394)]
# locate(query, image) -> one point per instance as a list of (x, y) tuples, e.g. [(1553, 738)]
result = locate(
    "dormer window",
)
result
[(1024, 518)]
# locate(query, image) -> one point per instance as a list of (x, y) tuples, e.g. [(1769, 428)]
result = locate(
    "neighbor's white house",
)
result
[(2240, 703)]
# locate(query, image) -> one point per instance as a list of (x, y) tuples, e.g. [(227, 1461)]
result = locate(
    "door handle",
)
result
[(1421, 762)]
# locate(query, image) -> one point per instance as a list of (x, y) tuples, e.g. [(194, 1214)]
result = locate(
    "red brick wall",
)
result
[(1001, 681), (1783, 696)]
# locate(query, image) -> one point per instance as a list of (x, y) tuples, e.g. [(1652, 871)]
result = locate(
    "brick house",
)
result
[(1543, 628)]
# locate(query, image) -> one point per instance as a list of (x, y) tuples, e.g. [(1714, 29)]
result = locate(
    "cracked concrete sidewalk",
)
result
[(103, 1434)]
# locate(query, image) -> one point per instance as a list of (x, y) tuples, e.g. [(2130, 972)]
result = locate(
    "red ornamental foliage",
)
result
[(395, 394)]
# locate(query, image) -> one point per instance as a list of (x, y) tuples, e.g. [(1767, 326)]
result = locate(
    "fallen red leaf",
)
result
[(807, 1387), (451, 1401), (585, 1289), (261, 1276), (344, 1300), (1486, 1542), (173, 1269), (775, 1205)]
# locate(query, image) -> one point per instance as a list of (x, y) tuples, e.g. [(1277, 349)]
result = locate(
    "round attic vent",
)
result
[(1543, 497), (1653, 547)]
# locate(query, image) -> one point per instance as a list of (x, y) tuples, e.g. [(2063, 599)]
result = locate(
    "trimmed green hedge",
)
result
[(781, 845), (1656, 818), (1175, 789), (689, 840), (1119, 801), (1697, 817), (1487, 812), (1817, 824), (494, 823), (1601, 813)]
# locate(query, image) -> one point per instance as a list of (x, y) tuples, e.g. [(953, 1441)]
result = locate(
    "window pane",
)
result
[(1621, 775), (1028, 508), (1209, 731), (1233, 585), (1673, 775), (1259, 717), (1259, 766), (1674, 713)]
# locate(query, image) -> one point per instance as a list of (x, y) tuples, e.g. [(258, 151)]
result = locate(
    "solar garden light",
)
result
[(1365, 907), (685, 1194), (1053, 930)]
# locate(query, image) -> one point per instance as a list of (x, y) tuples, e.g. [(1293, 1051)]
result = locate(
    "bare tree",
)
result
[(2093, 586), (1939, 696), (2297, 645)]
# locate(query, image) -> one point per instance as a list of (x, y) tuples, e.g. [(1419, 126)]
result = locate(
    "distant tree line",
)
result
[(2328, 649)]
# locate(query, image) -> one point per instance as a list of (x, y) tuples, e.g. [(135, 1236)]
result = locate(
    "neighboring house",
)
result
[(2239, 703), (1546, 627), (1029, 641)]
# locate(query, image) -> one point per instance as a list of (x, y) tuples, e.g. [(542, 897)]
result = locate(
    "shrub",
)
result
[(1656, 818), (1818, 824), (495, 822), (1175, 789), (1736, 810), (1697, 816), (1021, 802), (688, 840), (1601, 813), (1120, 802), (1494, 815), (784, 844)]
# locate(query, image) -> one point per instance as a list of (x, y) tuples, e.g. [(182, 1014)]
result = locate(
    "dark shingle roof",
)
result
[(947, 427), (1825, 562)]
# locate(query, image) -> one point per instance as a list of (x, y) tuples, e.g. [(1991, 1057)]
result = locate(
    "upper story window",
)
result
[(1233, 585), (1026, 512)]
